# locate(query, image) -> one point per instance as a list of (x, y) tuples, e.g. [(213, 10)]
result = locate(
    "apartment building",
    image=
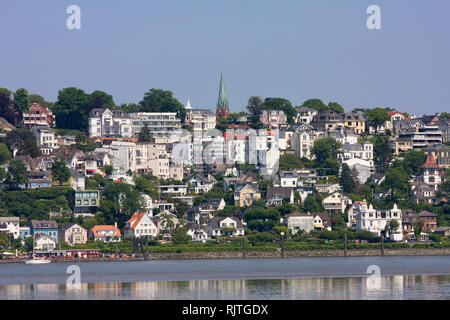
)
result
[(38, 115), (109, 123), (160, 124)]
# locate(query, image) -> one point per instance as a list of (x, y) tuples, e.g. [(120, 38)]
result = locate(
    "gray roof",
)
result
[(215, 222), (285, 191), (44, 224)]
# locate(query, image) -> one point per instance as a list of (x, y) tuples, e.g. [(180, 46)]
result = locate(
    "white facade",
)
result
[(304, 222), (161, 124), (336, 202), (141, 225), (44, 242), (375, 221), (45, 139), (109, 123), (10, 225)]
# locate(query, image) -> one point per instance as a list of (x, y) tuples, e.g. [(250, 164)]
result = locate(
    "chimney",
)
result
[(115, 224)]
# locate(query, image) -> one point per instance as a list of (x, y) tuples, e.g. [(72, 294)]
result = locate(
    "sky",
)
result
[(295, 49)]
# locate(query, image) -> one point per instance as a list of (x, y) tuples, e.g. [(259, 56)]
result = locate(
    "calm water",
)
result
[(303, 278)]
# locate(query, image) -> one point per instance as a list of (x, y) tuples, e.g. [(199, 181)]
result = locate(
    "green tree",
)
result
[(280, 104), (100, 99), (325, 152), (145, 135), (418, 226), (315, 104), (36, 98), (336, 107), (254, 106), (382, 153), (397, 180), (6, 108), (377, 117), (412, 160), (348, 180), (108, 169), (157, 100), (312, 205), (17, 173), (391, 226), (290, 161), (444, 115), (24, 141), (21, 102), (71, 109), (179, 236), (60, 172), (5, 155)]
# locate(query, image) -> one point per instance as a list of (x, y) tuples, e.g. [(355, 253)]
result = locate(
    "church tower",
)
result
[(222, 110)]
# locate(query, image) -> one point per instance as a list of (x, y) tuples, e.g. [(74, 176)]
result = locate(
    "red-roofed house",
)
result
[(430, 173), (38, 116), (105, 233), (140, 225)]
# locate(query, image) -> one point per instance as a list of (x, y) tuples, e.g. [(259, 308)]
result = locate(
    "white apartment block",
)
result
[(109, 123), (161, 124), (45, 139)]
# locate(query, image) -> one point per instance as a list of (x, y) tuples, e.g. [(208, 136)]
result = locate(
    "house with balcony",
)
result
[(44, 227), (305, 114), (375, 220), (245, 194), (225, 226), (105, 233), (336, 203), (160, 124), (38, 115), (175, 189), (276, 195), (44, 242), (109, 123), (299, 221), (196, 232), (201, 183)]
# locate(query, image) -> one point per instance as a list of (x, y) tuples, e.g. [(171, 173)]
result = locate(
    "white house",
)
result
[(10, 225), (109, 123), (173, 189), (289, 179), (336, 202), (44, 242), (221, 226), (140, 225), (202, 184), (375, 221), (297, 221), (196, 232)]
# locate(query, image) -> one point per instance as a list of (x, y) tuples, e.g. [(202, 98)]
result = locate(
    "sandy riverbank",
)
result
[(260, 254)]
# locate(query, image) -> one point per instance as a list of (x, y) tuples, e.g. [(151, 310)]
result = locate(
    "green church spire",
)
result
[(222, 101)]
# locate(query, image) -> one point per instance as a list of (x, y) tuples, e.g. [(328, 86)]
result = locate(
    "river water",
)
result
[(424, 277)]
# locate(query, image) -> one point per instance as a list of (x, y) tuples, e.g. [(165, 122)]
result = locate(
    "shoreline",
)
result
[(257, 254)]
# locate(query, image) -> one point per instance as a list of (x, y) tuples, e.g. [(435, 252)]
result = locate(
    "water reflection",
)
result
[(394, 287)]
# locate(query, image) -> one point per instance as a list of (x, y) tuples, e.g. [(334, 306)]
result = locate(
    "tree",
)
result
[(71, 109), (382, 153), (100, 99), (348, 180), (418, 226), (6, 108), (280, 104), (144, 134), (254, 106), (290, 161), (377, 117), (336, 107), (60, 172), (5, 155), (17, 173), (325, 152), (24, 141), (315, 104), (444, 115), (312, 205), (412, 160), (21, 102), (158, 100), (108, 169), (391, 226), (36, 98), (179, 236), (397, 180)]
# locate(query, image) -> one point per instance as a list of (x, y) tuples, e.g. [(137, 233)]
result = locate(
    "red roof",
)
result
[(430, 163), (391, 113), (135, 219), (96, 229)]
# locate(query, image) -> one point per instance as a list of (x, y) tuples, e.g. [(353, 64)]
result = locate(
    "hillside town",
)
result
[(83, 172)]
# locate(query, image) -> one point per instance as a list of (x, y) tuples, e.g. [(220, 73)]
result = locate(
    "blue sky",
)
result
[(297, 49)]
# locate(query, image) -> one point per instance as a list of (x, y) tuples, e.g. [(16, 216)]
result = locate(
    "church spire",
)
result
[(222, 110)]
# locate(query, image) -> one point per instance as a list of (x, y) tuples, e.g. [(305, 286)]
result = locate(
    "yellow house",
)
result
[(355, 121), (245, 194)]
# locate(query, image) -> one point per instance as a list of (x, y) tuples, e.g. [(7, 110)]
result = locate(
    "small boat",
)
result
[(35, 260)]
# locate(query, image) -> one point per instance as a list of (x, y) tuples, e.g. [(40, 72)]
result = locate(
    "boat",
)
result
[(36, 260)]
